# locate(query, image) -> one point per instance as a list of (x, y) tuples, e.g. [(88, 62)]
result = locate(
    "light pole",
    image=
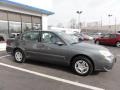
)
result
[(115, 25), (109, 15), (79, 24), (101, 22)]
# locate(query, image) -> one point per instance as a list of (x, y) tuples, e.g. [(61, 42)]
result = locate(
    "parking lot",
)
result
[(33, 75)]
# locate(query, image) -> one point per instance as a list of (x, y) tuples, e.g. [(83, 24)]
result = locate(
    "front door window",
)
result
[(50, 38)]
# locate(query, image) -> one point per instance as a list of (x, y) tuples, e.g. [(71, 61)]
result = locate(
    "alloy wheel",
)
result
[(81, 66), (18, 56)]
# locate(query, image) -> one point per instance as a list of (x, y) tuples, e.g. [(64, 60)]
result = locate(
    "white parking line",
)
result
[(4, 56), (52, 77)]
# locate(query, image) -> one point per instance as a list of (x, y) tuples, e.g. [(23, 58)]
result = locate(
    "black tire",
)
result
[(87, 62), (22, 58)]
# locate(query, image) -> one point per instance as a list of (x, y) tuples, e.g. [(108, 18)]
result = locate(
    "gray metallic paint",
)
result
[(62, 54)]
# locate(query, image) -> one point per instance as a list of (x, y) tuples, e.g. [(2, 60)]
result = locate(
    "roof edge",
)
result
[(42, 11)]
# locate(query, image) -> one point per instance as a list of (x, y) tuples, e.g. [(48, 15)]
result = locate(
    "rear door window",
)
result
[(31, 36)]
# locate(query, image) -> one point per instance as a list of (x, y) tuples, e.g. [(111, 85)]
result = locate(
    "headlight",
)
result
[(107, 55)]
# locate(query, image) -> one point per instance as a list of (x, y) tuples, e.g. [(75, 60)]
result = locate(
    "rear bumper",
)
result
[(9, 50)]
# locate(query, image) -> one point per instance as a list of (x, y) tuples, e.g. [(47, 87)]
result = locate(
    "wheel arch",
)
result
[(72, 59), (116, 42), (17, 49)]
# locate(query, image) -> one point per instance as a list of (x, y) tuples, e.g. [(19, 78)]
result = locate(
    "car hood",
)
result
[(87, 46)]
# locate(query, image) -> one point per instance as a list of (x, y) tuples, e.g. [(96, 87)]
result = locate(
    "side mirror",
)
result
[(59, 43)]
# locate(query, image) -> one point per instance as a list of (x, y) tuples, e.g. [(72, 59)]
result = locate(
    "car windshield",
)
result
[(70, 38)]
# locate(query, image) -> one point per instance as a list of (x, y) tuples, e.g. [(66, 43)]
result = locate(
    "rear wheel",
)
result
[(118, 44), (82, 66), (19, 56)]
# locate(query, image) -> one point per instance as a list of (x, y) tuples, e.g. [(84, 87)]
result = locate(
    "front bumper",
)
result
[(108, 66), (104, 65)]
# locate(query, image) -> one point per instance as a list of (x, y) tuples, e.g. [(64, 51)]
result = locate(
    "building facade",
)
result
[(17, 18), (101, 29)]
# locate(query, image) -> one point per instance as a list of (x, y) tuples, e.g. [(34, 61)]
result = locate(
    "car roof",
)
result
[(46, 31)]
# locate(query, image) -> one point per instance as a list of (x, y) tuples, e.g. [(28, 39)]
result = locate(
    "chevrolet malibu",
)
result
[(60, 48)]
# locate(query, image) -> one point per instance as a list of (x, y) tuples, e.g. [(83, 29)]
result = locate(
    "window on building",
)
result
[(26, 23), (3, 15), (4, 27), (14, 17), (14, 24), (14, 27), (26, 27), (36, 26), (37, 23)]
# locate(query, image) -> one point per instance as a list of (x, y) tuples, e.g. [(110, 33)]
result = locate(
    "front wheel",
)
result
[(118, 44), (19, 56), (82, 66)]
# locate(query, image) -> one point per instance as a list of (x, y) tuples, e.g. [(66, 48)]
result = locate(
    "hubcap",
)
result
[(81, 66), (118, 44), (18, 56)]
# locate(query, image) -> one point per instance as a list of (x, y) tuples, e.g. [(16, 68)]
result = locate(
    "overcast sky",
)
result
[(93, 10), (65, 10)]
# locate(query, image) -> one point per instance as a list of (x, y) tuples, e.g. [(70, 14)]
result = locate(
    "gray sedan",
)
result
[(60, 48)]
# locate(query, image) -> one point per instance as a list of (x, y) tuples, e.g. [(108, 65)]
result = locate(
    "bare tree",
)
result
[(73, 23)]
